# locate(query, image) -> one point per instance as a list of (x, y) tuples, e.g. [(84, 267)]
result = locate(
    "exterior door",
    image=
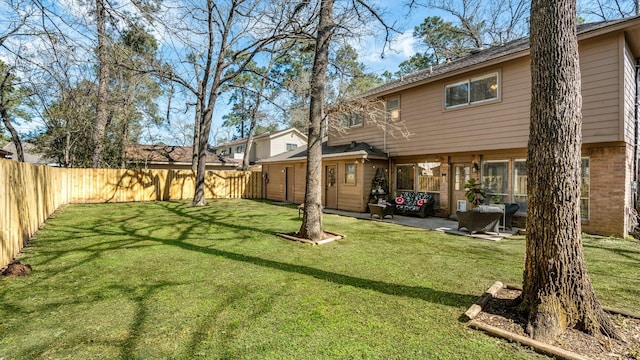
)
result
[(331, 190), (459, 176), (290, 188)]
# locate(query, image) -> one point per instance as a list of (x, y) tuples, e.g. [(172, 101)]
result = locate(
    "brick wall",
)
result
[(610, 188)]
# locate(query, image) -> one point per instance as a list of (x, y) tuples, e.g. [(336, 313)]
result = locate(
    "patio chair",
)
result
[(509, 211)]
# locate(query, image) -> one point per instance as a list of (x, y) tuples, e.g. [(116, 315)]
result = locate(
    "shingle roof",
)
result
[(168, 154), (477, 57), (30, 153), (257, 137), (355, 149)]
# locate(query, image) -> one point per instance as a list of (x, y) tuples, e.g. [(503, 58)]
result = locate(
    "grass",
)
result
[(168, 281)]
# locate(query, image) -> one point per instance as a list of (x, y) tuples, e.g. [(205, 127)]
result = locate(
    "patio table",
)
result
[(381, 210)]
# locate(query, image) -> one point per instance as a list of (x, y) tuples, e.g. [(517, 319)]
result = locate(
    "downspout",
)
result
[(384, 149), (631, 222), (634, 185)]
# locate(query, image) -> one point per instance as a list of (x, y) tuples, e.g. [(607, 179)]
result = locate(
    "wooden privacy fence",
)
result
[(29, 193)]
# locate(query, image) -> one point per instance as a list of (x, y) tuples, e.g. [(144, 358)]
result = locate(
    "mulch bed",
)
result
[(501, 312), (327, 238), (16, 268)]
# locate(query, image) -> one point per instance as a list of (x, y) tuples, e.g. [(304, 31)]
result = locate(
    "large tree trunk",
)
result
[(103, 86), (196, 128), (203, 140), (311, 227), (557, 291), (15, 138)]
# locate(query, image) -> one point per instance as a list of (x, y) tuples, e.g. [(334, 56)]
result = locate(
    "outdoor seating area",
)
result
[(415, 203)]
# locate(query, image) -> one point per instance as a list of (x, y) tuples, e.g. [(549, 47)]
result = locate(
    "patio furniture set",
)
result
[(408, 203), (479, 219)]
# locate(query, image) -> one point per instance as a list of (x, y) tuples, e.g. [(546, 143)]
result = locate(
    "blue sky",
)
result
[(370, 49), (403, 46)]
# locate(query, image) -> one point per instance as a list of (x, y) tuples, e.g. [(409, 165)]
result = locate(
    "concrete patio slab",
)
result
[(449, 226)]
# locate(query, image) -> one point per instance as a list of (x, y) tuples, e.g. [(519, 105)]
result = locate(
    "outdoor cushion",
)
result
[(415, 203)]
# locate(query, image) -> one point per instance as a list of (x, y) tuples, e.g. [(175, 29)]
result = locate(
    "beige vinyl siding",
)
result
[(502, 124), (262, 149), (599, 65), (279, 143), (349, 196), (629, 91), (275, 188), (300, 181)]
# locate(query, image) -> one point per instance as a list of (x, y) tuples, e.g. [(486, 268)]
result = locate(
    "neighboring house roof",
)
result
[(268, 135), (513, 49), (30, 154), (169, 154), (354, 149), (5, 154)]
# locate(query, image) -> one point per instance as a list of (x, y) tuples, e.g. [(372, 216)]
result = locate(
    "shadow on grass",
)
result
[(193, 218), (422, 293), (633, 255)]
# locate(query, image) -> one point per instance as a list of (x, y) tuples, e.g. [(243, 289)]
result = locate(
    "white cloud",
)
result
[(400, 49), (404, 45)]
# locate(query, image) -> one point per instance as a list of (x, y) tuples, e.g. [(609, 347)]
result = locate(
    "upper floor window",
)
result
[(393, 109), (291, 146), (352, 120), (471, 91)]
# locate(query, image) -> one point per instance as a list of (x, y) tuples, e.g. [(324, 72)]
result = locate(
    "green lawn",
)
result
[(165, 280)]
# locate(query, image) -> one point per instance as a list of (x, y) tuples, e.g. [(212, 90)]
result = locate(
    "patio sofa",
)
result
[(415, 203)]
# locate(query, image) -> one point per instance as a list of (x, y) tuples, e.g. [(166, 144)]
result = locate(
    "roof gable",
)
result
[(489, 56), (262, 137), (354, 149)]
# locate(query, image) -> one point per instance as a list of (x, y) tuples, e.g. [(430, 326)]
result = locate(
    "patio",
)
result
[(448, 226)]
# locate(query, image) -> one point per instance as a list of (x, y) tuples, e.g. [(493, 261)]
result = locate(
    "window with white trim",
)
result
[(471, 91)]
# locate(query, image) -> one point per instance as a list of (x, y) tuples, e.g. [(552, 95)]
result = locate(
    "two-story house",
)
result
[(264, 145), (470, 118)]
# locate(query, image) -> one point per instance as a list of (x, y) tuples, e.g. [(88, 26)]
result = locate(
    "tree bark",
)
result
[(15, 138), (557, 291), (249, 144), (311, 227), (103, 86)]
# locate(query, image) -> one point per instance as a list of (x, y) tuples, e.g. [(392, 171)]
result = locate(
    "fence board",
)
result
[(30, 193)]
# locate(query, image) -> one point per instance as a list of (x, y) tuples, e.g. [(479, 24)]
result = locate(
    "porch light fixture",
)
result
[(475, 167)]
